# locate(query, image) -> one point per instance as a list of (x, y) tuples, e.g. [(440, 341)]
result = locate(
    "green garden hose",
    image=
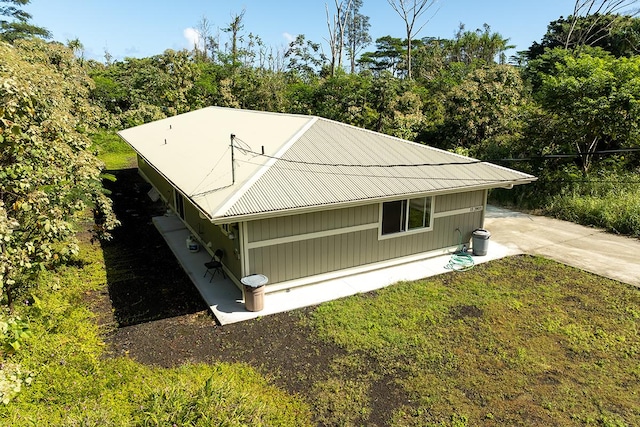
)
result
[(461, 260)]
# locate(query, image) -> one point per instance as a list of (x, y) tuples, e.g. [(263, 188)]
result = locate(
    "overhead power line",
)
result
[(567, 156), (353, 165), (360, 175)]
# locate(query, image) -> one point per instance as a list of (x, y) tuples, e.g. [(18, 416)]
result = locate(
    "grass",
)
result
[(520, 341), (112, 150), (75, 384), (617, 211)]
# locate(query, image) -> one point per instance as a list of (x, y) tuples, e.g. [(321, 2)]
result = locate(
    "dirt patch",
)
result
[(154, 314), (145, 280), (463, 311)]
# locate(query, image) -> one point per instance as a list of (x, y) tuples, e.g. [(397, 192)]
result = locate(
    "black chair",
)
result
[(215, 265)]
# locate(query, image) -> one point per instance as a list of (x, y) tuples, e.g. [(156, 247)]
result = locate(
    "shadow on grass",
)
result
[(144, 279)]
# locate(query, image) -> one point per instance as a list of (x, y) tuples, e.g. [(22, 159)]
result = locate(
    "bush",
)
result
[(605, 199)]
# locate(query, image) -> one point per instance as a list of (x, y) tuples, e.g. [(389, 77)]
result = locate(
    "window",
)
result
[(406, 215), (179, 200)]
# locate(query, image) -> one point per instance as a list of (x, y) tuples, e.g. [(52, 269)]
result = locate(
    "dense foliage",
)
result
[(48, 173)]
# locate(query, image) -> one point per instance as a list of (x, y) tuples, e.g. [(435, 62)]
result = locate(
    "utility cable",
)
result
[(337, 173), (209, 173), (350, 165)]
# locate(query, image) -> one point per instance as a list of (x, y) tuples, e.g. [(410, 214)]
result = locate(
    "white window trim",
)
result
[(407, 232)]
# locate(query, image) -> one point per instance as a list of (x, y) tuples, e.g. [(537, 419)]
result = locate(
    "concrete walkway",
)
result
[(512, 233), (586, 248), (225, 300)]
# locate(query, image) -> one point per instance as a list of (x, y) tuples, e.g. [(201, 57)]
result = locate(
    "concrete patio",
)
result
[(226, 302)]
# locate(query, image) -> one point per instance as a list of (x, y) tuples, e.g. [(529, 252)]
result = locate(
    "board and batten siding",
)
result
[(298, 246), (199, 227), (164, 188)]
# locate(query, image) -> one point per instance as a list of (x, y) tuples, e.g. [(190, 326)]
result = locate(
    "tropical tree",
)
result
[(14, 22), (305, 58), (591, 101), (482, 112), (47, 172), (77, 48), (357, 32), (411, 12), (596, 10), (234, 28), (207, 43), (388, 57), (478, 46), (617, 34)]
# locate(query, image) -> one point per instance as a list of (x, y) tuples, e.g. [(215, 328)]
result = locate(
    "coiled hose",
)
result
[(460, 260)]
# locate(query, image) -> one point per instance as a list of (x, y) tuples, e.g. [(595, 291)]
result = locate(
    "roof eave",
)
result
[(353, 203)]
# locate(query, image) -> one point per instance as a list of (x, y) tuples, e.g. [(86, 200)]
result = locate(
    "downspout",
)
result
[(244, 251), (484, 209)]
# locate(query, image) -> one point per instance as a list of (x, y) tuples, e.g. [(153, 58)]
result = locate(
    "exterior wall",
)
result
[(162, 185), (211, 236), (201, 228), (298, 246)]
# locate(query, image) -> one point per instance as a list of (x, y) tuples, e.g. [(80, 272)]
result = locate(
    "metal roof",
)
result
[(308, 163)]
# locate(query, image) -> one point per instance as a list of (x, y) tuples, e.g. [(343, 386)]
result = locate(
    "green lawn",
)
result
[(519, 341), (75, 383), (113, 151)]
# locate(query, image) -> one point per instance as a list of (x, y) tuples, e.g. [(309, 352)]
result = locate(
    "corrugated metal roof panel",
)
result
[(335, 163), (308, 162), (192, 150)]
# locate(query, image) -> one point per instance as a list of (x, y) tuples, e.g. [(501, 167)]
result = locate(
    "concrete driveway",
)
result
[(586, 248)]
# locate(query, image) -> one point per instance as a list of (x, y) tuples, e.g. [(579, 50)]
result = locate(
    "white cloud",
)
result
[(288, 37), (193, 38)]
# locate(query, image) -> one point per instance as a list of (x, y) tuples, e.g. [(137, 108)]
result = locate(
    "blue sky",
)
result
[(140, 28)]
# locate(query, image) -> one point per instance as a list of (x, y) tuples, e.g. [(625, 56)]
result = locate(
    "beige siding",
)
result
[(293, 260), (313, 222), (162, 185), (308, 257), (205, 230), (209, 233), (451, 202)]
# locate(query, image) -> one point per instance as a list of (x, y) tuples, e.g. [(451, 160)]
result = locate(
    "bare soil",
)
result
[(152, 313)]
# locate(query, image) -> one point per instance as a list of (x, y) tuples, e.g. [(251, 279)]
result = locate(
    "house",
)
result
[(301, 198)]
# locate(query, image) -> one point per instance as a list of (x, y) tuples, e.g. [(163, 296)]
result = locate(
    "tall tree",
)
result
[(482, 111), (77, 48), (411, 11), (605, 23), (14, 22), (597, 9), (207, 43), (590, 101), (305, 58), (234, 28), (357, 32), (336, 26), (479, 45), (388, 56), (47, 171)]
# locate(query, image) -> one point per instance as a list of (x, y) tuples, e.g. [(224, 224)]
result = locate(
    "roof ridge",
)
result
[(227, 204), (271, 113)]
